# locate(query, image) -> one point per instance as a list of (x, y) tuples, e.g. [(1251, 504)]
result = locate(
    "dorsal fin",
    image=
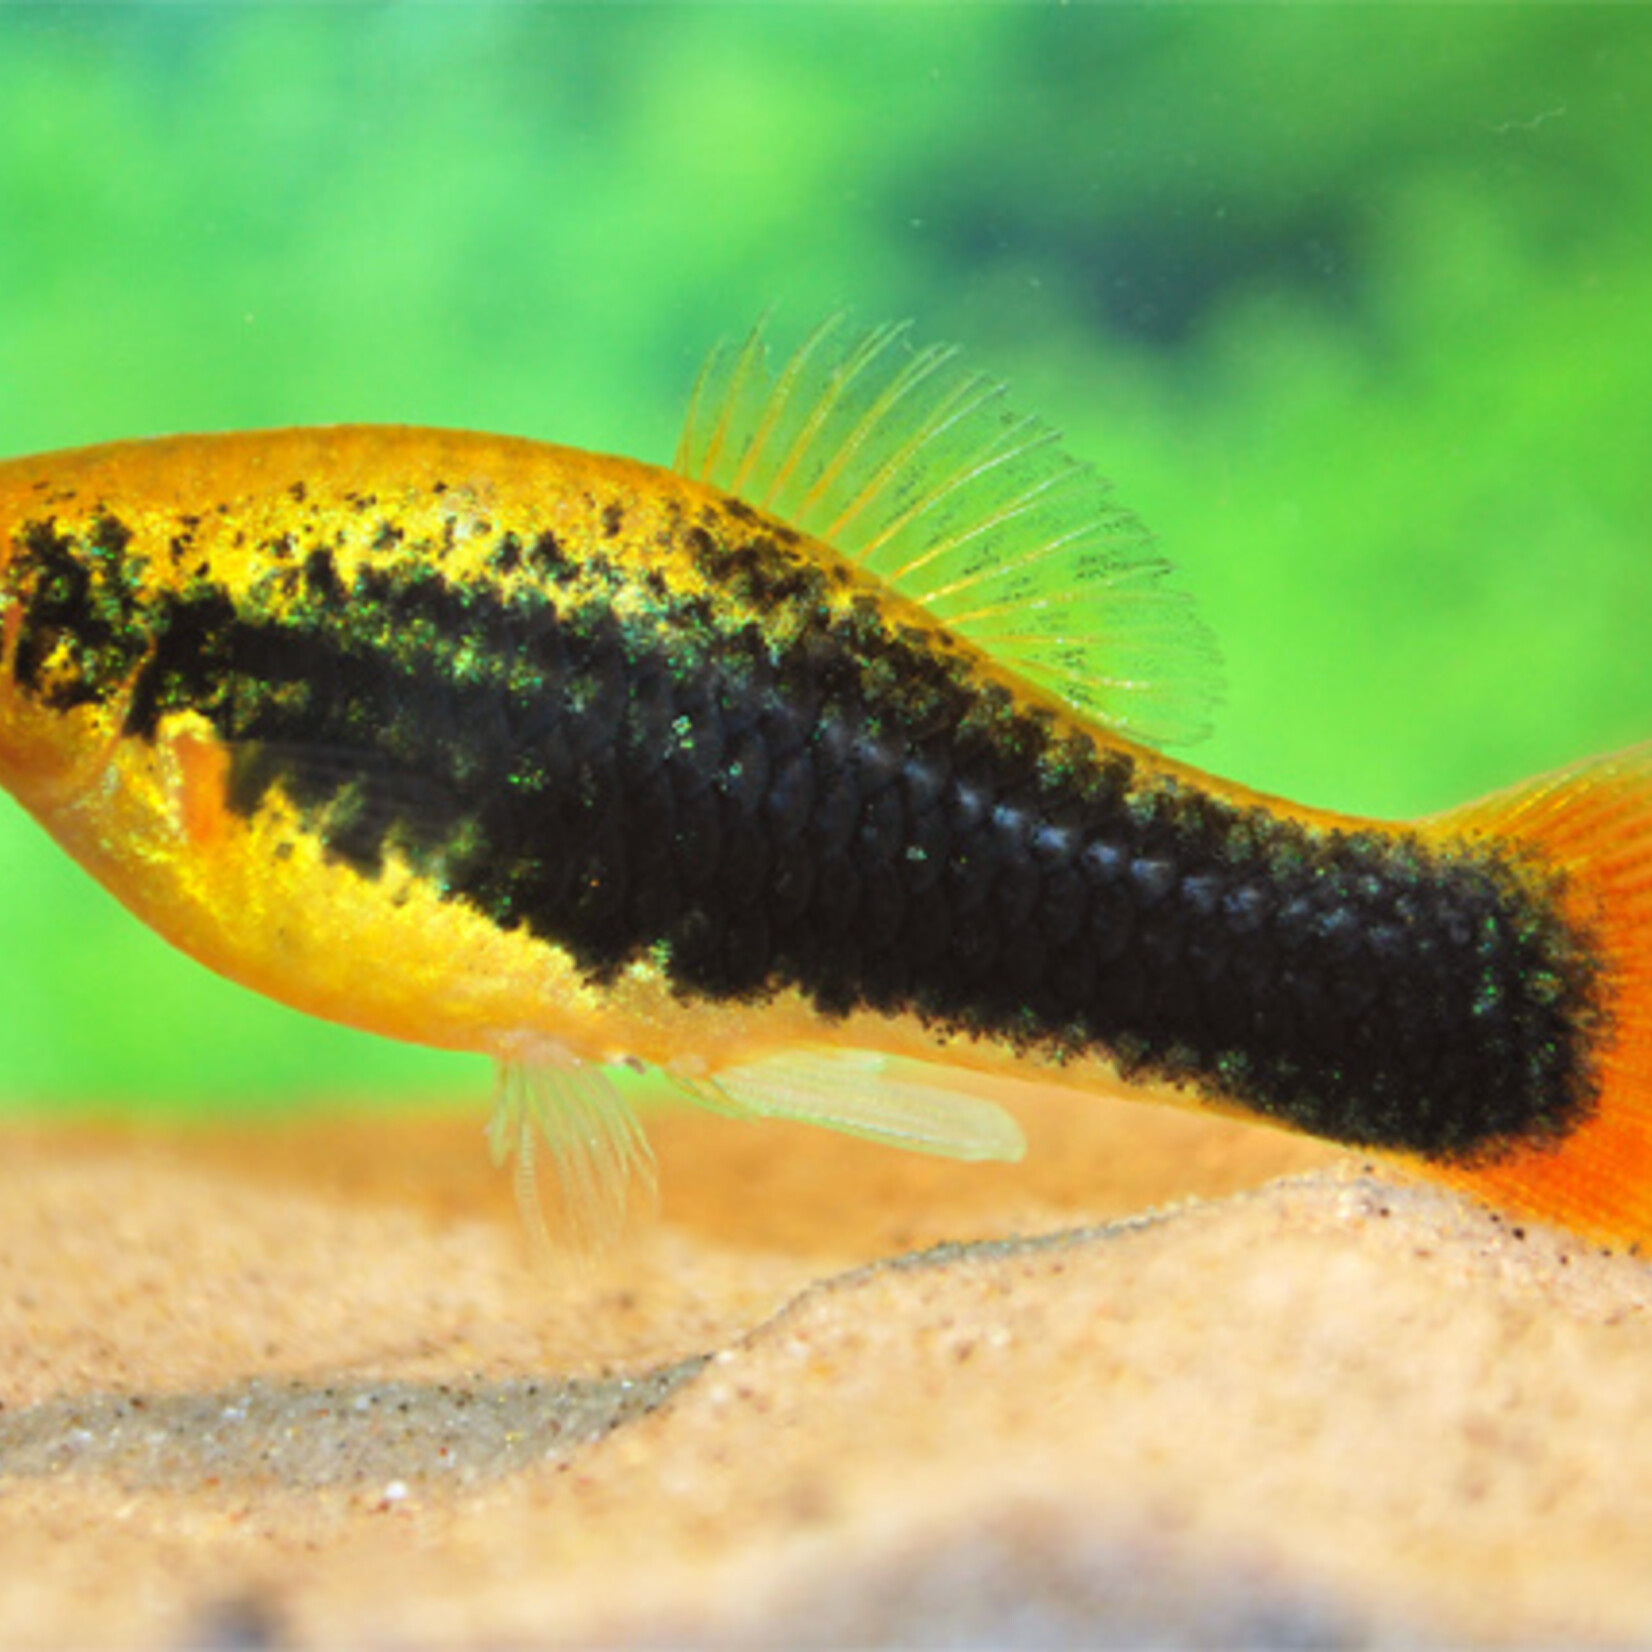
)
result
[(911, 464)]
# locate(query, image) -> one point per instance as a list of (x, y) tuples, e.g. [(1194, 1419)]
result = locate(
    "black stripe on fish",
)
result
[(829, 804)]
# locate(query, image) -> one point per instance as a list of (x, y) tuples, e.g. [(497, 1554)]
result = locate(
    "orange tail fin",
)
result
[(1593, 821)]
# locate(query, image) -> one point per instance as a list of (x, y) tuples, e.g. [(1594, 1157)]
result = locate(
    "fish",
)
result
[(821, 773)]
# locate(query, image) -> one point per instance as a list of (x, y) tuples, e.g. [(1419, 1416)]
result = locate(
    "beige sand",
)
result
[(303, 1384)]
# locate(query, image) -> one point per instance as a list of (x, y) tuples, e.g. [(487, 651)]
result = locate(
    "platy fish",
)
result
[(818, 771)]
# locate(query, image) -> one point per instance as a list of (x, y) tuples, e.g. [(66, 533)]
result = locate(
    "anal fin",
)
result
[(898, 1102)]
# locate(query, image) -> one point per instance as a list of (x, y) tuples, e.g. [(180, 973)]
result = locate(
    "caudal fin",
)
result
[(1593, 822)]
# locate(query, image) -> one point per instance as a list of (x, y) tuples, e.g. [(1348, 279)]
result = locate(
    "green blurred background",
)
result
[(1354, 304)]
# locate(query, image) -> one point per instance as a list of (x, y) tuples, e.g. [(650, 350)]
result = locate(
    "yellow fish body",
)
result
[(815, 771)]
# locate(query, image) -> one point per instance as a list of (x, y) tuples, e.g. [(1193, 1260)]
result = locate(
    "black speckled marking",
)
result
[(78, 633), (827, 803)]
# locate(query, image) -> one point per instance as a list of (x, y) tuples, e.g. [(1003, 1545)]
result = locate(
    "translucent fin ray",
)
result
[(900, 1103), (599, 1157), (911, 464)]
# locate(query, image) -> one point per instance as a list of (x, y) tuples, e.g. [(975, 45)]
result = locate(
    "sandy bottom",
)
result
[(305, 1384)]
